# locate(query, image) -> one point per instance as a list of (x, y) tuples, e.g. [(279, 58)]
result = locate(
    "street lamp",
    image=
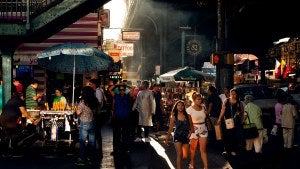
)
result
[(183, 28)]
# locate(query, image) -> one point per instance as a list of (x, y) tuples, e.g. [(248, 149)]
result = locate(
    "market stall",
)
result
[(56, 125), (181, 83)]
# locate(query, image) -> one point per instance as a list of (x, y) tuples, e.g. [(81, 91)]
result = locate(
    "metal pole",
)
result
[(27, 15), (73, 87), (182, 47), (183, 43)]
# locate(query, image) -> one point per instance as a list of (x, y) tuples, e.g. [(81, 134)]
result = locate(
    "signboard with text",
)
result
[(125, 48), (130, 36)]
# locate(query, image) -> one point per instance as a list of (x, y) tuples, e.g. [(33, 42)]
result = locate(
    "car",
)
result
[(263, 97)]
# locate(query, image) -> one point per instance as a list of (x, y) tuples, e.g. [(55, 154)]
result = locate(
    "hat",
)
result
[(249, 98)]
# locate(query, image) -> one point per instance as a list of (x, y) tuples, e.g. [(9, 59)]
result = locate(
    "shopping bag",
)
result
[(218, 132), (229, 123), (250, 131)]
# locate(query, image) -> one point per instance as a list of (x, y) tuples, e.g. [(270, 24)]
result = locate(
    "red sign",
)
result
[(104, 18)]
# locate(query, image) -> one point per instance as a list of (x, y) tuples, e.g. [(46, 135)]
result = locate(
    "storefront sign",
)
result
[(131, 36), (125, 48), (25, 60), (104, 18)]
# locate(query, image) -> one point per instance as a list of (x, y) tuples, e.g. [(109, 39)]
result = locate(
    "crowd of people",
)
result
[(134, 111), (232, 115)]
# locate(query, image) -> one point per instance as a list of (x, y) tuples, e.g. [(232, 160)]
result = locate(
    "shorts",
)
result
[(181, 138), (200, 131)]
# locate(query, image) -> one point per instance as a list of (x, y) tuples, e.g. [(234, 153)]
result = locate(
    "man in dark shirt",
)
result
[(157, 118), (10, 119), (121, 108), (214, 105)]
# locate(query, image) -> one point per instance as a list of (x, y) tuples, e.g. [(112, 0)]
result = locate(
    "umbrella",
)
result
[(242, 58), (74, 58), (185, 74)]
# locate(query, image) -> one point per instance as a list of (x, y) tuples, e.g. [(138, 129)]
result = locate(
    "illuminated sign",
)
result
[(115, 77)]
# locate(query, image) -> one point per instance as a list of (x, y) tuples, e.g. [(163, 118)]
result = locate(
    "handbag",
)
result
[(250, 130), (229, 123), (218, 132)]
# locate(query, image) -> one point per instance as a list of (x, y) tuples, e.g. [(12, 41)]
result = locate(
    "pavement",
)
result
[(155, 155), (152, 155)]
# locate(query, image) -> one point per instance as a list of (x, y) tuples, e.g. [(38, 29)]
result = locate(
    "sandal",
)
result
[(191, 166)]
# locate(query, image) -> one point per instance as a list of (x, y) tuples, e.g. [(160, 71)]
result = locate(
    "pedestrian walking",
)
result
[(121, 108), (87, 127), (288, 117), (226, 93), (182, 122), (198, 114), (98, 116), (159, 110), (253, 114), (145, 105), (232, 111), (214, 105)]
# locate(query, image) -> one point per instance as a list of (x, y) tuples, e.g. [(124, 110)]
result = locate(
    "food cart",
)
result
[(56, 125)]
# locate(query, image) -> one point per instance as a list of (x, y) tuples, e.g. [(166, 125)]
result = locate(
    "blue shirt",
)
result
[(122, 105)]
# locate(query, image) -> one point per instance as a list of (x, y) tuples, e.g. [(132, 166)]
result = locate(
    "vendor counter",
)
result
[(55, 124)]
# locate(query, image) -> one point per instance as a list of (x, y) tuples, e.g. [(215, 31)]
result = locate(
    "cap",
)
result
[(249, 98)]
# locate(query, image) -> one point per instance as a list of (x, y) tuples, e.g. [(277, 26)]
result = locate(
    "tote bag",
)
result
[(250, 130)]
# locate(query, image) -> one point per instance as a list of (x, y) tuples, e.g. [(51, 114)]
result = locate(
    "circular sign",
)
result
[(193, 47)]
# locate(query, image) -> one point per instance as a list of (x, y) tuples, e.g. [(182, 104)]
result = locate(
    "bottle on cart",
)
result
[(47, 106)]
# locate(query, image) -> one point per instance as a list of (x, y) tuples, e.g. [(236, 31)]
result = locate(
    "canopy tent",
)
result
[(186, 74)]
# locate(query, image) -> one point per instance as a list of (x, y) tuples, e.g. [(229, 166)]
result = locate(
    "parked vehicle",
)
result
[(263, 97)]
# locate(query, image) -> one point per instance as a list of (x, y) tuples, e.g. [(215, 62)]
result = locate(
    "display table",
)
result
[(59, 112), (56, 124)]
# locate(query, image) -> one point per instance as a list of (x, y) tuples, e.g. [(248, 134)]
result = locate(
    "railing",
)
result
[(22, 10)]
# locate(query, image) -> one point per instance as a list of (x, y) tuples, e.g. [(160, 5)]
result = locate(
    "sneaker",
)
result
[(138, 140), (80, 162), (147, 140)]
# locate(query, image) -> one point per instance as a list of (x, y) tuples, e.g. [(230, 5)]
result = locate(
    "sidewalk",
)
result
[(150, 155), (155, 156)]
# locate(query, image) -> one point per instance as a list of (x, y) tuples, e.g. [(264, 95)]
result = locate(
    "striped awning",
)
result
[(85, 30)]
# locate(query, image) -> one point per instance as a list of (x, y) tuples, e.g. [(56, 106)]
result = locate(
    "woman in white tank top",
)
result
[(198, 113)]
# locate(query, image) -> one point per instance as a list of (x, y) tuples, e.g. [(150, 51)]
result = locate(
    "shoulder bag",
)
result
[(229, 122), (250, 130)]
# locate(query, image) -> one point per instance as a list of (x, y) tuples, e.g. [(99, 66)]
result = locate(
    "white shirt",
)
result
[(197, 116)]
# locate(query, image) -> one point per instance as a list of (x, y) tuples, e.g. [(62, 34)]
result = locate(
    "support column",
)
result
[(7, 57), (224, 72)]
